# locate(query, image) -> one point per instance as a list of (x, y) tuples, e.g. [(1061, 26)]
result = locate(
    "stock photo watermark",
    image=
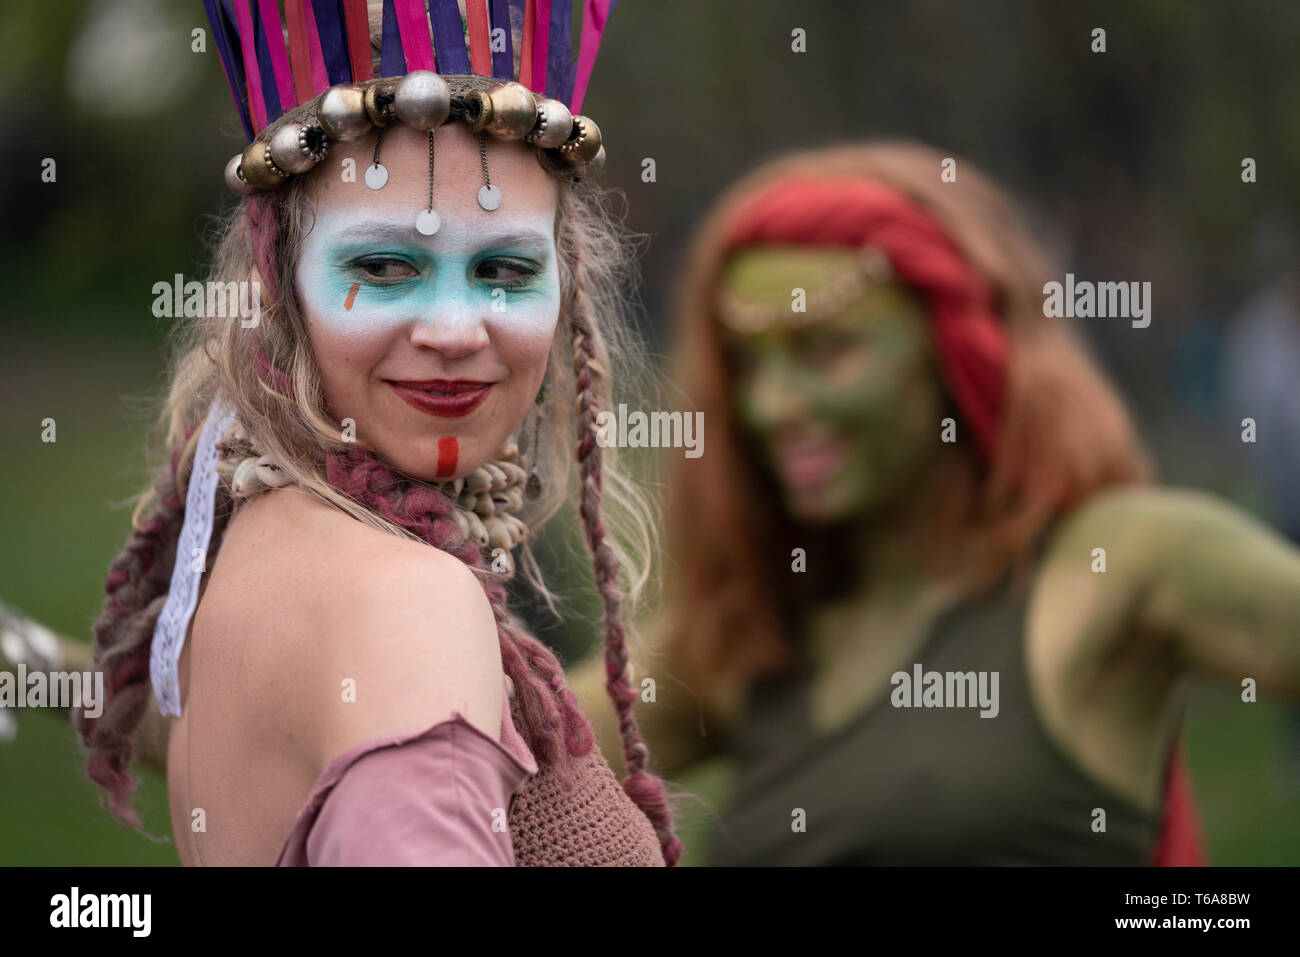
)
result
[(1083, 299), (75, 909), (208, 300), (651, 430), (22, 688), (946, 689)]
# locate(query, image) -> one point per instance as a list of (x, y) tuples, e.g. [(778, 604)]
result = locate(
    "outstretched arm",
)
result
[(1226, 592), (22, 639), (1198, 583)]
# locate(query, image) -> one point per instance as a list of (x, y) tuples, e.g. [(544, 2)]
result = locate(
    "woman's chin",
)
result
[(437, 459), (828, 503)]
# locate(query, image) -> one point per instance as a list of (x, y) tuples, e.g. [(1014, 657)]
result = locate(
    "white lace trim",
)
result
[(191, 558)]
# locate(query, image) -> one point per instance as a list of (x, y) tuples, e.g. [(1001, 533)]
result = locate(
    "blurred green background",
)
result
[(1128, 163)]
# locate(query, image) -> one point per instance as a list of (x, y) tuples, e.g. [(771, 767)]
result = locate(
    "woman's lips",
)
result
[(445, 398), (804, 463)]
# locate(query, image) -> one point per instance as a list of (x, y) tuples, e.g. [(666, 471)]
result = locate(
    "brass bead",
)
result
[(514, 111), (584, 142), (553, 126), (234, 181), (478, 110), (341, 112), (381, 115), (258, 168)]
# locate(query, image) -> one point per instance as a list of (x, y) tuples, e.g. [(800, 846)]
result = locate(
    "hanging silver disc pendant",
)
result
[(428, 222), (376, 176), (489, 197)]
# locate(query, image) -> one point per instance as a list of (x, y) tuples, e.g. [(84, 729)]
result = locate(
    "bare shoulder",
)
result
[(365, 634)]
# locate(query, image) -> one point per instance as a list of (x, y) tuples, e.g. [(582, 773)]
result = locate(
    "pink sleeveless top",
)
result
[(451, 796)]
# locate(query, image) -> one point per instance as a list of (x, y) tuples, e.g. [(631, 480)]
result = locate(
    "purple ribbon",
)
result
[(392, 61), (333, 40), (448, 37), (269, 93), (227, 39), (559, 54), (503, 61)]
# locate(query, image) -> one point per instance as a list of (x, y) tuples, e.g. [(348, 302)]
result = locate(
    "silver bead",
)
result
[(554, 124), (342, 112), (422, 100), (598, 161), (234, 180), (287, 151)]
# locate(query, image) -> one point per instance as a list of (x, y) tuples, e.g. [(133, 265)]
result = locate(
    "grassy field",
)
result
[(60, 529)]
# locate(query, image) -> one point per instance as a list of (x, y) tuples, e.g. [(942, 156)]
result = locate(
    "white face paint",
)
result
[(400, 321)]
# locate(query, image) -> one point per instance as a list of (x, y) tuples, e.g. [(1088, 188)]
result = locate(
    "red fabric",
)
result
[(1180, 843), (299, 49), (357, 23), (969, 338), (480, 48)]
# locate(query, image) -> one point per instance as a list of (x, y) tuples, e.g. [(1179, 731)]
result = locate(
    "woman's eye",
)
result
[(386, 269), (505, 273)]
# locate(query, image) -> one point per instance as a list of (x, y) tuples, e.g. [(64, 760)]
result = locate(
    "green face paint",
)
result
[(846, 409)]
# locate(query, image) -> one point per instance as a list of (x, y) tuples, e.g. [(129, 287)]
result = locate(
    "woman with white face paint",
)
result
[(314, 587)]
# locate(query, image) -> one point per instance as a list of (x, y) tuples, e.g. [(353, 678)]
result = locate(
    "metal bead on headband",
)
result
[(377, 174), (421, 100), (428, 222), (489, 196)]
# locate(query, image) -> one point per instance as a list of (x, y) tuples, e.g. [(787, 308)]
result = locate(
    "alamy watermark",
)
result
[(75, 909), (1101, 300), (946, 689), (211, 300), (22, 688), (651, 430)]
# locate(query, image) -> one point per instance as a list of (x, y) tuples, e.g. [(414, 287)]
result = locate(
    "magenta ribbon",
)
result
[(319, 75), (541, 36), (279, 58), (413, 25), (595, 15), (252, 74)]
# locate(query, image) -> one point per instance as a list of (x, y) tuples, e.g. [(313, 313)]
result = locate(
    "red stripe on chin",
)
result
[(448, 453)]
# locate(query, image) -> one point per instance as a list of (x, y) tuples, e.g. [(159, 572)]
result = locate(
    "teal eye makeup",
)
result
[(362, 277)]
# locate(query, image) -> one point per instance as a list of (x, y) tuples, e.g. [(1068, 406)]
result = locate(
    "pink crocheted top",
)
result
[(450, 795)]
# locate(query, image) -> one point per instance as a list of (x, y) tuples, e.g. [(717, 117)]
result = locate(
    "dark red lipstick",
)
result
[(445, 398)]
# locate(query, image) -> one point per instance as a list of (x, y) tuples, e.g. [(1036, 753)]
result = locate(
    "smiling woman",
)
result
[(345, 480), (456, 326)]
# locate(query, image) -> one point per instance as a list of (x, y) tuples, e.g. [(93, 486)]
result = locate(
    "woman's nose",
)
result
[(774, 396), (453, 324)]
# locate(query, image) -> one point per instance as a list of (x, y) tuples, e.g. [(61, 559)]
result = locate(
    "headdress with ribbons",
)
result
[(305, 79)]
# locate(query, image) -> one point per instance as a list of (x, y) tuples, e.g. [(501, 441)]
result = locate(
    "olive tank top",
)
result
[(922, 785)]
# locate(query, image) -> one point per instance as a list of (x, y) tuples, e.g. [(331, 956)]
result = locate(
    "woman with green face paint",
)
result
[(921, 591)]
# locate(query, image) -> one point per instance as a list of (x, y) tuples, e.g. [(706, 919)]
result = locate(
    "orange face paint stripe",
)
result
[(352, 296)]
